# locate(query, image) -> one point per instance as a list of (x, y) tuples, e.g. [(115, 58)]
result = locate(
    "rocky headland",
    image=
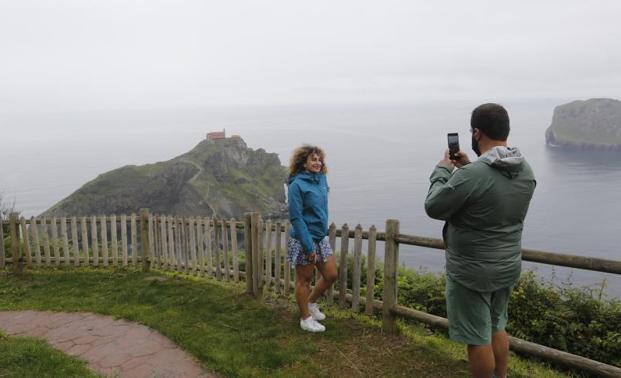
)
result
[(593, 124), (220, 177)]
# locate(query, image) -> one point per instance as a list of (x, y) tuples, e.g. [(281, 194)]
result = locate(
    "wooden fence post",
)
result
[(74, 241), (268, 253), (46, 242), (193, 245), (343, 265), (172, 257), (104, 239), (248, 246), (287, 263), (391, 265), (2, 256), (261, 253), (332, 240), (26, 237), (371, 270), (277, 258), (64, 235), (209, 245), (134, 238), (356, 274), (94, 240), (255, 222), (225, 250), (164, 257), (124, 248), (144, 238), (233, 227), (217, 250), (15, 248)]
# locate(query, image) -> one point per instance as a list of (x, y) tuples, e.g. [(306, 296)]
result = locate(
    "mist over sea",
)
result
[(379, 158)]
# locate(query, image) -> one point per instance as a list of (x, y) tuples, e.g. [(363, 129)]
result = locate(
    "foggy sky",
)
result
[(81, 54)]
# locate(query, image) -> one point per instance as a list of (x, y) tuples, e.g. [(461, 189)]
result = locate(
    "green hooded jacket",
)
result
[(484, 205)]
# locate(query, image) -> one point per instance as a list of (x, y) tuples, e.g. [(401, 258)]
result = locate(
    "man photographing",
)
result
[(484, 204)]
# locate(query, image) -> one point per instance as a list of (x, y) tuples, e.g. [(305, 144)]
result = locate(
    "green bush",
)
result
[(569, 318)]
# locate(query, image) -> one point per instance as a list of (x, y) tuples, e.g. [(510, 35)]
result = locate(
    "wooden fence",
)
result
[(209, 247)]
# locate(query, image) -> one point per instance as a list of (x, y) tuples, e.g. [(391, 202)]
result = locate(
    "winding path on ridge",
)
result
[(111, 347), (190, 181), (200, 170)]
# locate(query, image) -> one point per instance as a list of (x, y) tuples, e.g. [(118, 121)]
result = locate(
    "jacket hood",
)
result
[(307, 176), (506, 159)]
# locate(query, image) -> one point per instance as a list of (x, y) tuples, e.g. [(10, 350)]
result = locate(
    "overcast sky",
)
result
[(83, 54)]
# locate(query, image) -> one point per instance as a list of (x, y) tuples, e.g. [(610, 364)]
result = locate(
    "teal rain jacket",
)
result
[(484, 205), (308, 208)]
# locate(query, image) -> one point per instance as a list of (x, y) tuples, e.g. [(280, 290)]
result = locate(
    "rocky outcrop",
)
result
[(218, 177), (593, 124)]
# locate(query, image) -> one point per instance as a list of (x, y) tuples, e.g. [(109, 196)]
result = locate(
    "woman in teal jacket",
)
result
[(308, 245)]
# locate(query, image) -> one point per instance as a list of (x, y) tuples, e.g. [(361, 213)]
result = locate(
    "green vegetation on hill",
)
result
[(222, 177)]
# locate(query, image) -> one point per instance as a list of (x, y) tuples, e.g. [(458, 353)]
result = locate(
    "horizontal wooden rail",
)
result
[(550, 258), (420, 241), (365, 234), (572, 261)]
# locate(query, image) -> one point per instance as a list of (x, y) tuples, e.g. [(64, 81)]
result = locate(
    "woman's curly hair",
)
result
[(301, 154)]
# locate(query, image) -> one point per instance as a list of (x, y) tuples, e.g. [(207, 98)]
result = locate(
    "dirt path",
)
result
[(111, 347)]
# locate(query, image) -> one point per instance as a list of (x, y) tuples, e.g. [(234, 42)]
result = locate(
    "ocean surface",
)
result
[(379, 158)]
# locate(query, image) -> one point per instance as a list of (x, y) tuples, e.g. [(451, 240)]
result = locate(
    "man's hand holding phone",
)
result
[(457, 157), (461, 159)]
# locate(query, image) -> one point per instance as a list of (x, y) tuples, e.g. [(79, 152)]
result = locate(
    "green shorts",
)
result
[(473, 316)]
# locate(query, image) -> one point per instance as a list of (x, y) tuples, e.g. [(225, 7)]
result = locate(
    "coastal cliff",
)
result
[(593, 124), (218, 177)]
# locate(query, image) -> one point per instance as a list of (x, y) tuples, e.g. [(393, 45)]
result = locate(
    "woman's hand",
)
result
[(312, 257)]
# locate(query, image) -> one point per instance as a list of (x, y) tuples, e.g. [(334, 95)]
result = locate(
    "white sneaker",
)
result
[(315, 312), (311, 325)]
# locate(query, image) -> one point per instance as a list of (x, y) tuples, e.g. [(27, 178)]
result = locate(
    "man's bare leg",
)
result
[(500, 346), (481, 360)]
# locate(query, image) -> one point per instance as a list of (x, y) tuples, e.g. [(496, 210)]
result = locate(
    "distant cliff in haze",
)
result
[(593, 124)]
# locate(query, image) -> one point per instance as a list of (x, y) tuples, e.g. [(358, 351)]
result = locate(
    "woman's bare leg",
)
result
[(303, 277), (328, 276)]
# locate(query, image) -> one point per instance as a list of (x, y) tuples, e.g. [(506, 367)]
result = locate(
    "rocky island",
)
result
[(593, 124), (221, 177)]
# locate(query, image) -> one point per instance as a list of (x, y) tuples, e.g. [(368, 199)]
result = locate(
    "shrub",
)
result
[(573, 319), (568, 318)]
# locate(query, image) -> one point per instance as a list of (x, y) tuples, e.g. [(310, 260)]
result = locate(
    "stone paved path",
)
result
[(117, 348)]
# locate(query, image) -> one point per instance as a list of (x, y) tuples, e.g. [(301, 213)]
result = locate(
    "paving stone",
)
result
[(77, 350), (116, 348), (88, 339)]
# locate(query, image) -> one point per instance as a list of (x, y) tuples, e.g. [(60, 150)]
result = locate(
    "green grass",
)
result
[(26, 357), (235, 335)]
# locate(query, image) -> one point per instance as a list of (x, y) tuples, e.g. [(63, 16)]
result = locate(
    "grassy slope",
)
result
[(236, 336)]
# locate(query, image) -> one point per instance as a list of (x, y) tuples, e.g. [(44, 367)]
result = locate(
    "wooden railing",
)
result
[(209, 247)]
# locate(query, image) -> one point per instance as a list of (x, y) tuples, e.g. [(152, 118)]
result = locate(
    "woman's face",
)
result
[(313, 163)]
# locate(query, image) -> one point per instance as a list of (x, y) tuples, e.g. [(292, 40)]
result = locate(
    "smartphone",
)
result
[(453, 145)]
